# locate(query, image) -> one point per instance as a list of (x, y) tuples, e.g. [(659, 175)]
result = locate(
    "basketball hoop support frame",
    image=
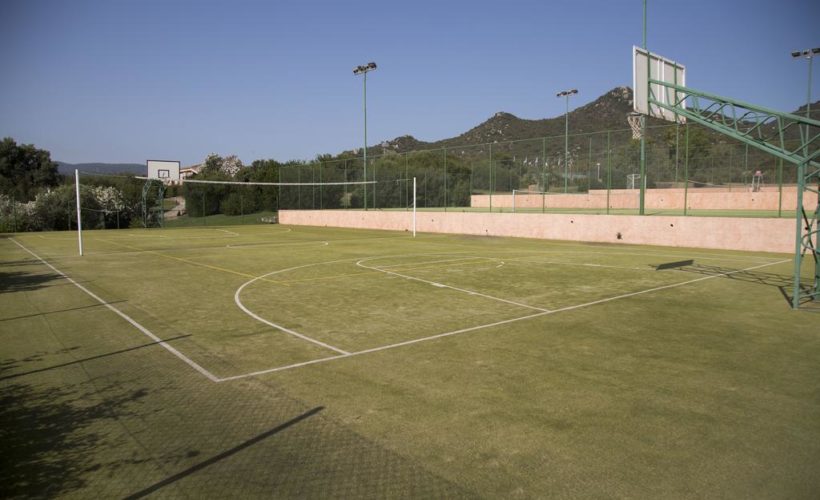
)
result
[(789, 137), (146, 189)]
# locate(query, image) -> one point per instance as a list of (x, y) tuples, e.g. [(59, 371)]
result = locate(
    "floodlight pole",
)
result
[(642, 196), (808, 54), (566, 94), (363, 70), (808, 95), (811, 224)]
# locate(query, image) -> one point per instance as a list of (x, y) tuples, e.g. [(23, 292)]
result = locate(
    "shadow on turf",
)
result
[(100, 356), (225, 454), (17, 281), (43, 313), (17, 263), (46, 439), (783, 283)]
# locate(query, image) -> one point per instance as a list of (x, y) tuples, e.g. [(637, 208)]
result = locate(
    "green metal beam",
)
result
[(768, 130)]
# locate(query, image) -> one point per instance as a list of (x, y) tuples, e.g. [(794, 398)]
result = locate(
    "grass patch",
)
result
[(364, 363)]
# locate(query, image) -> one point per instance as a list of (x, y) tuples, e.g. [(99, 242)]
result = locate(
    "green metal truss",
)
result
[(146, 210), (792, 138)]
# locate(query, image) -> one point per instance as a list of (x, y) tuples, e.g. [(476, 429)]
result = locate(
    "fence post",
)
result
[(608, 170), (445, 179), (589, 165), (677, 148), (490, 177), (780, 189), (686, 173), (544, 173)]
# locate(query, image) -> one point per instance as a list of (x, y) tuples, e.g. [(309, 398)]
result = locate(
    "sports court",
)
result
[(303, 361), (270, 360)]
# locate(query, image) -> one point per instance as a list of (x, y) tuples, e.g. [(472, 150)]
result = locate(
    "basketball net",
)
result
[(634, 120)]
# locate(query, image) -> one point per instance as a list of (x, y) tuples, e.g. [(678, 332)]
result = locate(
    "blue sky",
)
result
[(124, 81)]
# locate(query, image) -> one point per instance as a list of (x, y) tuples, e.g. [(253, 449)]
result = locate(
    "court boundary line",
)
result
[(345, 354), (145, 331), (442, 285), (477, 327), (285, 329)]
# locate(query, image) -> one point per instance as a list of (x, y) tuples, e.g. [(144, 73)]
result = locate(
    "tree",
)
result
[(215, 164), (25, 170)]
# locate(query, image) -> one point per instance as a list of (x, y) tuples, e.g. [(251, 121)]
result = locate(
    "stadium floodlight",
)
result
[(363, 70), (808, 54), (566, 94)]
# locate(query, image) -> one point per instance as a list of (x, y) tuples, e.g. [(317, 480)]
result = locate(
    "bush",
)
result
[(55, 210)]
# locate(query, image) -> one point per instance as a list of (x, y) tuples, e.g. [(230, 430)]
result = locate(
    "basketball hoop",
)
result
[(634, 120)]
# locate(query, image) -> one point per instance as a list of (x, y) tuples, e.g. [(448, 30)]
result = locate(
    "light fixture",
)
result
[(363, 69)]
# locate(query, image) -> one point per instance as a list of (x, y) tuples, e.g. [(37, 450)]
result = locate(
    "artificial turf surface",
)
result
[(349, 363)]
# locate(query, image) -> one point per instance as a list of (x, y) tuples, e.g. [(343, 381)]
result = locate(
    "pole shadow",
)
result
[(225, 454), (784, 283)]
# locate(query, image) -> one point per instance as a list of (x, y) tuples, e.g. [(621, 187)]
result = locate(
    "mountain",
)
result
[(608, 112), (102, 168)]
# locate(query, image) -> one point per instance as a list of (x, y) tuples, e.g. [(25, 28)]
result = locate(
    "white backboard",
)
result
[(661, 69), (164, 170)]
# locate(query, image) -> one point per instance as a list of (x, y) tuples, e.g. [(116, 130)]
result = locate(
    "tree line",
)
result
[(35, 197)]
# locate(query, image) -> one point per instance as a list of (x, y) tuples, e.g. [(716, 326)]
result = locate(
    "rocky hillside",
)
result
[(607, 112)]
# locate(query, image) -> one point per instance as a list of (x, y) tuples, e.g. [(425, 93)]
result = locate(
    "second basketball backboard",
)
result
[(163, 170), (648, 66)]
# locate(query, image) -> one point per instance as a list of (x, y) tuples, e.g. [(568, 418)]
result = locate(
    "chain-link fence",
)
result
[(688, 170)]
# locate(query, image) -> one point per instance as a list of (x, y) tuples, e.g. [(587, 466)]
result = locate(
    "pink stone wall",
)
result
[(697, 199), (725, 233)]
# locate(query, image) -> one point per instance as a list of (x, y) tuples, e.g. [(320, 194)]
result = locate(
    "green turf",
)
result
[(476, 367)]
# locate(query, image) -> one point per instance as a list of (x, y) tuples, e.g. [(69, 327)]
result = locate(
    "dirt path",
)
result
[(178, 209)]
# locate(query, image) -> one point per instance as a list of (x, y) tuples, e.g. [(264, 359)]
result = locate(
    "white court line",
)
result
[(255, 316), (415, 265), (535, 260), (127, 318), (490, 325), (441, 285), (228, 232), (578, 248), (297, 243)]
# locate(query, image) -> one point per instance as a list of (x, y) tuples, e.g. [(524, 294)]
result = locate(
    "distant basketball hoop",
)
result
[(633, 181), (634, 120), (163, 170)]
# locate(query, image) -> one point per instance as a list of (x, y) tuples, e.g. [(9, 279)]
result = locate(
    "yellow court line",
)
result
[(194, 263)]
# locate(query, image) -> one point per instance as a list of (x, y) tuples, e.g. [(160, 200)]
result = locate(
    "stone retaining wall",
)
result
[(724, 233), (697, 199)]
